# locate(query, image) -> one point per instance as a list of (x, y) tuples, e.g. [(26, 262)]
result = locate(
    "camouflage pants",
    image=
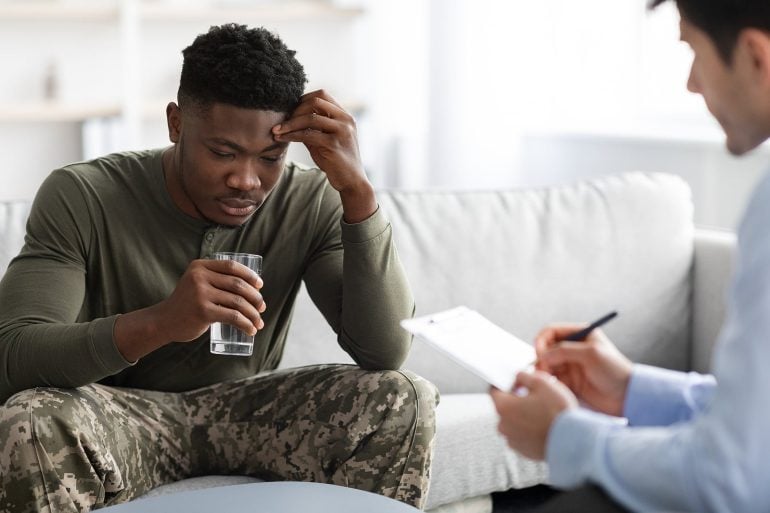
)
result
[(70, 450)]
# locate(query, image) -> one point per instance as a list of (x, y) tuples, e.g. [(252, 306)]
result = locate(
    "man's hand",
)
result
[(526, 415), (209, 291), (596, 372), (329, 133)]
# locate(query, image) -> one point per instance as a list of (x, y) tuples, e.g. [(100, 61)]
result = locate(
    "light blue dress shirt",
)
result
[(690, 444)]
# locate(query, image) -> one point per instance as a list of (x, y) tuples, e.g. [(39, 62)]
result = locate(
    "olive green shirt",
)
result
[(104, 238)]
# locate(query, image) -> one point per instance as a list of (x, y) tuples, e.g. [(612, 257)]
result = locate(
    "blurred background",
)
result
[(448, 94)]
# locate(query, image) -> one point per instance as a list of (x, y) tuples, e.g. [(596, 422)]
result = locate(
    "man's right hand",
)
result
[(209, 291), (596, 372)]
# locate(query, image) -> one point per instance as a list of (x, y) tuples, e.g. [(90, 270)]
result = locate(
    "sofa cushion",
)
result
[(524, 258), (470, 458)]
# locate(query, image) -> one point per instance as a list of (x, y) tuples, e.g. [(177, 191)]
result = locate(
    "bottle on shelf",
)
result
[(50, 82)]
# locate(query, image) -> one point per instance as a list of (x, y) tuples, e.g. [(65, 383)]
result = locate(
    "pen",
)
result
[(582, 334)]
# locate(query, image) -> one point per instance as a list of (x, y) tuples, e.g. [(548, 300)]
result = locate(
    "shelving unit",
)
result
[(125, 55), (55, 112), (130, 15), (287, 11), (20, 10), (17, 10)]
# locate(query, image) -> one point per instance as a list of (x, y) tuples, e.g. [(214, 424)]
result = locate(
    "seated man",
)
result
[(104, 315)]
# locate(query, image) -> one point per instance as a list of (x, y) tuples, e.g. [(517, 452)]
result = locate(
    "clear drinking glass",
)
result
[(226, 339)]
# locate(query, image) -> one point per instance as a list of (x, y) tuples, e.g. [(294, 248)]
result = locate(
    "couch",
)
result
[(524, 258)]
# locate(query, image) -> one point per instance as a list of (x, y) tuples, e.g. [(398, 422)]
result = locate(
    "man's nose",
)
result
[(244, 176)]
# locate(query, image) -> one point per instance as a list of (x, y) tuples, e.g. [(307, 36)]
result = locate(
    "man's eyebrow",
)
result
[(229, 144), (241, 149), (275, 146)]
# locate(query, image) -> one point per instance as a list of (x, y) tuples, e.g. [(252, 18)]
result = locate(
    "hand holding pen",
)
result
[(575, 362), (585, 360), (582, 334)]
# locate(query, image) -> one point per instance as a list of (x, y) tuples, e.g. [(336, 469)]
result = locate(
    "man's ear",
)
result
[(756, 45), (174, 121)]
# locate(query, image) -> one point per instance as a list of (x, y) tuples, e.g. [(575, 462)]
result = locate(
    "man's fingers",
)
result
[(322, 107), (553, 334), (502, 400), (319, 95), (311, 120), (233, 268), (318, 114), (309, 137), (221, 313), (568, 353), (532, 380)]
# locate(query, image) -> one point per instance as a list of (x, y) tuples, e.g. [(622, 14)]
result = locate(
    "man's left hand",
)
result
[(329, 133), (527, 413)]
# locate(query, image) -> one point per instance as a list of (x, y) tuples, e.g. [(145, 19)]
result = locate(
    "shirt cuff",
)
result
[(105, 351), (368, 229), (575, 437), (661, 397)]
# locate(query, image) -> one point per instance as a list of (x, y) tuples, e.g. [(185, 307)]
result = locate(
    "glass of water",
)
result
[(226, 339)]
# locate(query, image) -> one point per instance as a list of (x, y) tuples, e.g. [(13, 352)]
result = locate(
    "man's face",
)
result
[(735, 93), (226, 161)]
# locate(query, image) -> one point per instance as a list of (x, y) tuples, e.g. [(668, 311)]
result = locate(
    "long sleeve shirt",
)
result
[(105, 238), (692, 443)]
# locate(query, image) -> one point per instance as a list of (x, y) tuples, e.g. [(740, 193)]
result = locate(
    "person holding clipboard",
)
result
[(650, 439)]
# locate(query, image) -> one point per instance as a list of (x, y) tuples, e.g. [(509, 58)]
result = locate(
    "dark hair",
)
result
[(723, 20), (245, 67)]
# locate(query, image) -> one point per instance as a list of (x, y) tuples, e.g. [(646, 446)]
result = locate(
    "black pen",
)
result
[(582, 334)]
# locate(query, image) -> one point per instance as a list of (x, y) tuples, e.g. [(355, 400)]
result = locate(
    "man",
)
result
[(693, 443), (104, 354)]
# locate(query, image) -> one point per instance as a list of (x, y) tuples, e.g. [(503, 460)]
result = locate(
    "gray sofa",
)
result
[(524, 258)]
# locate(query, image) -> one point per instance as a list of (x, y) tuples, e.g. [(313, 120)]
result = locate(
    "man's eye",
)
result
[(273, 158), (221, 154)]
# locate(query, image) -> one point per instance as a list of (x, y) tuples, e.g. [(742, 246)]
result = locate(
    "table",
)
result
[(275, 497)]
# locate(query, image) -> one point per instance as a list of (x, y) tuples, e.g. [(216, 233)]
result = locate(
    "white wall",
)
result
[(28, 151), (457, 94), (537, 93)]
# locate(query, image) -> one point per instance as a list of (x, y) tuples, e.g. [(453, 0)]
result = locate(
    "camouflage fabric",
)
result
[(69, 450)]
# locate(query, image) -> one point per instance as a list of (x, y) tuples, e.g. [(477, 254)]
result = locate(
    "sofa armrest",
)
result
[(712, 272)]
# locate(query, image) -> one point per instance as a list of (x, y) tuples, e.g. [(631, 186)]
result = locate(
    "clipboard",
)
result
[(476, 343)]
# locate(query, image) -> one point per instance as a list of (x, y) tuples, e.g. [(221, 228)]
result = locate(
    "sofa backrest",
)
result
[(524, 258)]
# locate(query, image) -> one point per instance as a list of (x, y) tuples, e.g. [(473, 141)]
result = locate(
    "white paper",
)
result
[(476, 343)]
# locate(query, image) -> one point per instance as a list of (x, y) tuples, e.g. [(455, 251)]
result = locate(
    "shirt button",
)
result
[(209, 236)]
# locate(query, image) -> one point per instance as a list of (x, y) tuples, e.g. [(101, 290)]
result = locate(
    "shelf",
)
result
[(61, 112), (128, 16), (32, 10), (55, 112), (50, 10), (270, 11)]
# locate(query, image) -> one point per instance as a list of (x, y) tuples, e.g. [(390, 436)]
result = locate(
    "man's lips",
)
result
[(237, 207)]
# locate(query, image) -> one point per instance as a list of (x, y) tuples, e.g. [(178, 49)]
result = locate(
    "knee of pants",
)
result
[(406, 390), (55, 410)]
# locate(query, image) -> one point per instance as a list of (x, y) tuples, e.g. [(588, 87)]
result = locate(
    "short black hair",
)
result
[(241, 66), (723, 20)]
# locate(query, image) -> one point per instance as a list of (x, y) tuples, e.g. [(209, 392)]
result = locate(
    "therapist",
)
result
[(691, 442)]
